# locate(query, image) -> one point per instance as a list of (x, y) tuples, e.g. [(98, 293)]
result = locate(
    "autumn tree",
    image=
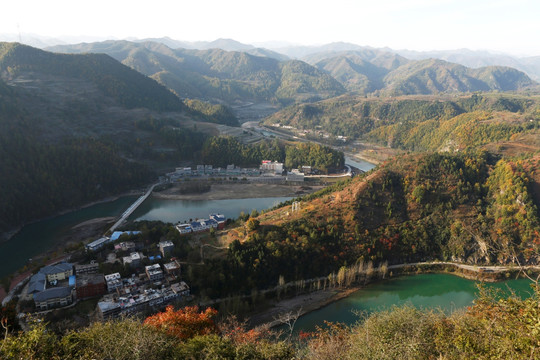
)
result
[(184, 323)]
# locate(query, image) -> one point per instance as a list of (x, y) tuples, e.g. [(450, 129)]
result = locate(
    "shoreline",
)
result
[(238, 191), (8, 235), (311, 301)]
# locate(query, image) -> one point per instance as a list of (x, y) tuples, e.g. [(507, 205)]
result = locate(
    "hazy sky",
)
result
[(500, 25)]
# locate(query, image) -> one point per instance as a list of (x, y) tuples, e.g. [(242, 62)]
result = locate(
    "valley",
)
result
[(281, 182)]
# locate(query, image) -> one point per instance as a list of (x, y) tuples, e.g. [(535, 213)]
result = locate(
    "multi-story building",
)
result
[(114, 281), (166, 247), (60, 271), (89, 285), (54, 297), (81, 269), (154, 272)]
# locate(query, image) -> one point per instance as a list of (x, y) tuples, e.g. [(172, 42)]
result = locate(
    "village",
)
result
[(152, 274), (155, 278)]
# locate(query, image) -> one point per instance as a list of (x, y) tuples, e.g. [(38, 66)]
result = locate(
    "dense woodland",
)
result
[(221, 151), (419, 124)]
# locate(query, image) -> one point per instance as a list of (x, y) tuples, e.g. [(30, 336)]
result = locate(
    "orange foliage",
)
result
[(236, 331), (184, 323)]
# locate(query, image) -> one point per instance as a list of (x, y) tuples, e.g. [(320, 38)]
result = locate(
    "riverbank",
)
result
[(7, 235), (307, 302), (224, 191)]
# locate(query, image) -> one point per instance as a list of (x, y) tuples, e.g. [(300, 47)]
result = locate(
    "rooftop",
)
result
[(57, 292), (89, 279), (55, 269)]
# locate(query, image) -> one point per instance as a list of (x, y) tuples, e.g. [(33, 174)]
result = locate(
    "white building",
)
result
[(295, 176), (114, 281), (165, 247), (134, 259), (154, 272), (271, 166)]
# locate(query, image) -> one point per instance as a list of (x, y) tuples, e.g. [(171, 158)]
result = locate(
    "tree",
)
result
[(252, 224), (184, 323)]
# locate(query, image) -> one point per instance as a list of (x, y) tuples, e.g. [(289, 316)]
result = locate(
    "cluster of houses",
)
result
[(318, 132), (61, 284), (155, 287), (216, 221), (209, 170), (268, 171)]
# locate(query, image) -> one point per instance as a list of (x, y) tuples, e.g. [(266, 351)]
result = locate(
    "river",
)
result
[(41, 236), (444, 291), (174, 211)]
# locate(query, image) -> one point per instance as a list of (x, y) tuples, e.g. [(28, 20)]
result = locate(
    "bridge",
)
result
[(132, 208)]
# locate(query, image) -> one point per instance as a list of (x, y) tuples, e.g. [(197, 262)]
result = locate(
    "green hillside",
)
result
[(437, 76), (418, 123), (78, 128), (129, 88), (216, 74)]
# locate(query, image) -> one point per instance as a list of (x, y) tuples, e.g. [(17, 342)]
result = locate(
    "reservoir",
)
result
[(41, 236), (174, 211), (444, 291)]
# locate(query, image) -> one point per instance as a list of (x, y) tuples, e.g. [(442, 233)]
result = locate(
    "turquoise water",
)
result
[(447, 292)]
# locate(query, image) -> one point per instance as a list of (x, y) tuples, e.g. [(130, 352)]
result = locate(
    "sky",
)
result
[(511, 26)]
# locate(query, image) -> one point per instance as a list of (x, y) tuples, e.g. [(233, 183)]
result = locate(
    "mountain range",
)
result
[(283, 51), (229, 76), (219, 75)]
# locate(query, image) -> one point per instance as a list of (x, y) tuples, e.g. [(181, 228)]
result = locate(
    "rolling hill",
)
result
[(77, 128), (219, 75), (417, 122), (437, 76)]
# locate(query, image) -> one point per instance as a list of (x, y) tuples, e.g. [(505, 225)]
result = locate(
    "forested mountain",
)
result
[(436, 76), (219, 75), (476, 59), (216, 74), (129, 88), (374, 71), (361, 72), (467, 207), (76, 128), (419, 123)]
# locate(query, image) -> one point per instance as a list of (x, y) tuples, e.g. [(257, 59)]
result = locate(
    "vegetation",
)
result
[(128, 87), (39, 180), (419, 123), (493, 328), (317, 156), (219, 114), (434, 206), (218, 74), (221, 151)]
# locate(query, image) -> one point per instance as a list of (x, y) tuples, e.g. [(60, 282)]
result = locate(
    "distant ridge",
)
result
[(219, 75), (128, 87)]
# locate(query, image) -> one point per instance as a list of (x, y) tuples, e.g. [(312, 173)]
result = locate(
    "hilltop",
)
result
[(420, 123), (77, 128), (218, 75)]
